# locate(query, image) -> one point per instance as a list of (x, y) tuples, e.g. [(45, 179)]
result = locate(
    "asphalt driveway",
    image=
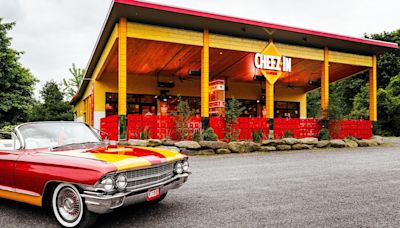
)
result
[(319, 188)]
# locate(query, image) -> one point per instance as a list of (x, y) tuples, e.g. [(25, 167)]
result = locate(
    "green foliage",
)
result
[(52, 107), (5, 131), (209, 135), (182, 118), (17, 83), (71, 85), (196, 135), (257, 135), (233, 110), (349, 98), (288, 134), (314, 104), (323, 134)]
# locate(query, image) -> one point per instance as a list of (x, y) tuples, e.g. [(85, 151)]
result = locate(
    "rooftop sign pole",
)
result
[(272, 65)]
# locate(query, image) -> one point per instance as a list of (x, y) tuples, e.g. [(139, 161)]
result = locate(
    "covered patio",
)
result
[(142, 65)]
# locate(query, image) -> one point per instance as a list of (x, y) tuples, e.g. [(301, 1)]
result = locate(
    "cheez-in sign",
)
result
[(271, 63)]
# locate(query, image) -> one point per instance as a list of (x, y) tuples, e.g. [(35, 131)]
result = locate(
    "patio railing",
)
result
[(159, 127)]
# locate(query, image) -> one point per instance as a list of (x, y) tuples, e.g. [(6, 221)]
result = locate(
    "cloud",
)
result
[(55, 34)]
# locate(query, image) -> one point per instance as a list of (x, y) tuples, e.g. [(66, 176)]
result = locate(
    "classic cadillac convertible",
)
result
[(67, 167)]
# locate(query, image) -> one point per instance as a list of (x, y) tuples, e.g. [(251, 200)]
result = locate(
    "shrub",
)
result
[(233, 110), (257, 135), (323, 134), (182, 118), (288, 134), (145, 134), (196, 135), (209, 135)]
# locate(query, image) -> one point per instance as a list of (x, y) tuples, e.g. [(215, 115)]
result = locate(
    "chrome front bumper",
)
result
[(101, 203)]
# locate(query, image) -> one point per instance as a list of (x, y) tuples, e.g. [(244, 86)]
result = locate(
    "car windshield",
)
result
[(54, 134)]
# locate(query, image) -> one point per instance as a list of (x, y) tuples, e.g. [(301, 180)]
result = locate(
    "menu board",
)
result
[(217, 97)]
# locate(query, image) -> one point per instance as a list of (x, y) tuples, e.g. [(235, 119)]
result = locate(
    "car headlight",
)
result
[(121, 181), (185, 166), (178, 168), (108, 184)]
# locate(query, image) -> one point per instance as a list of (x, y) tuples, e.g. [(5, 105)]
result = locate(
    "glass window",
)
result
[(285, 109), (136, 104)]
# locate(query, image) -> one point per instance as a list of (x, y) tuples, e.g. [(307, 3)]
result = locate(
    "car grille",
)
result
[(143, 177)]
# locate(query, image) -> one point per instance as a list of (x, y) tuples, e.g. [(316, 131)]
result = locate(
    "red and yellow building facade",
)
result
[(147, 55)]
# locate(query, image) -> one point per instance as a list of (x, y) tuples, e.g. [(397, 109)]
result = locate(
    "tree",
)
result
[(71, 85), (17, 83), (233, 109), (53, 106), (349, 98)]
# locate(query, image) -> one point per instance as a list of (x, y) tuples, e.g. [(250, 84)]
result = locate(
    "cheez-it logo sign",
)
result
[(271, 63)]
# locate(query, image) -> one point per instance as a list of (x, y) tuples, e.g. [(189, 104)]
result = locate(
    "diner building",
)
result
[(148, 55)]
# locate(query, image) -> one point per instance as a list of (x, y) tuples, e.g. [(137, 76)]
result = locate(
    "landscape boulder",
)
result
[(267, 148), (290, 141), (362, 143), (213, 144), (337, 143), (168, 142), (371, 142), (188, 144), (253, 146), (223, 151), (239, 147), (350, 143), (272, 142), (137, 142), (300, 146), (322, 144), (205, 152), (283, 147), (309, 141), (153, 142), (378, 139)]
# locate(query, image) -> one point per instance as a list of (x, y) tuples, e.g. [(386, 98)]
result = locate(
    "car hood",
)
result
[(125, 158)]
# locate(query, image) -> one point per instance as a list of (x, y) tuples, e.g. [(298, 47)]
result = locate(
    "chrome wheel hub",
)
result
[(68, 204)]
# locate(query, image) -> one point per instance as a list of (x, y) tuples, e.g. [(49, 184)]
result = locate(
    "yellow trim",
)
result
[(205, 71), (325, 84), (106, 52), (165, 34), (122, 65), (251, 45), (351, 59), (123, 162), (373, 116), (170, 155), (24, 198)]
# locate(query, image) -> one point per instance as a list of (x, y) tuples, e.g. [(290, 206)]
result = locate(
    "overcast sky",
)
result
[(56, 33)]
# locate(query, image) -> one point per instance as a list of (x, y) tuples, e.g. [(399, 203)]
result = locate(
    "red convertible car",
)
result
[(67, 167)]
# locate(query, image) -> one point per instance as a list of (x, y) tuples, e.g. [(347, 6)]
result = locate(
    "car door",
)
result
[(8, 158)]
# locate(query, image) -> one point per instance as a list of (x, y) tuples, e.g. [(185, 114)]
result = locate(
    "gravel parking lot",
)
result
[(318, 188)]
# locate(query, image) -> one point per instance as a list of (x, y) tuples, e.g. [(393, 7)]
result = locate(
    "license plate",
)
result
[(153, 194)]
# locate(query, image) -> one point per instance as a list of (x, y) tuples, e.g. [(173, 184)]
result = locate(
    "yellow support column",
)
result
[(372, 91), (205, 74), (325, 85), (122, 74), (269, 106), (269, 100)]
